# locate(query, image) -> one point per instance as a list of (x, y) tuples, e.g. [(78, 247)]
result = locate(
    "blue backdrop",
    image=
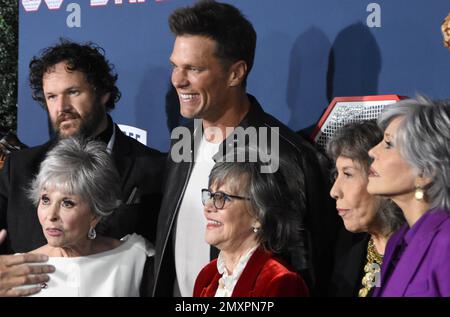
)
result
[(308, 51)]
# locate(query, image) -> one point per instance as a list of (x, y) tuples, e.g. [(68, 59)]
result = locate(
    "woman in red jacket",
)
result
[(251, 217)]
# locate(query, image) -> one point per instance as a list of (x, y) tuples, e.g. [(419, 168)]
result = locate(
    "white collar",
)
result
[(110, 145), (228, 282)]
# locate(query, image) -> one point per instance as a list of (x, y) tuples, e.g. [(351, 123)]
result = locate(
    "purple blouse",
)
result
[(417, 259)]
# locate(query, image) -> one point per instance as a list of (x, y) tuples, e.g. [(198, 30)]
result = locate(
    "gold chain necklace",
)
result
[(372, 269)]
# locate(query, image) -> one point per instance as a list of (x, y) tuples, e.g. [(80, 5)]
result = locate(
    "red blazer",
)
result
[(263, 276)]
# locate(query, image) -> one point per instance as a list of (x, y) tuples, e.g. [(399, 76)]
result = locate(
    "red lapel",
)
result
[(246, 284), (208, 279)]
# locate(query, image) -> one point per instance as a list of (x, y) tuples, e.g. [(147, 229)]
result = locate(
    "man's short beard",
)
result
[(89, 124)]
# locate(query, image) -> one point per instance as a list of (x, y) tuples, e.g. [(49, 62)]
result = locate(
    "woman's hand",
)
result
[(18, 276)]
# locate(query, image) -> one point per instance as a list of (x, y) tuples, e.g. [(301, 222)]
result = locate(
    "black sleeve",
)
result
[(147, 281)]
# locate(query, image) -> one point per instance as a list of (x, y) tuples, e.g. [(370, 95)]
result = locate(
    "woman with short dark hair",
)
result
[(252, 219), (369, 220)]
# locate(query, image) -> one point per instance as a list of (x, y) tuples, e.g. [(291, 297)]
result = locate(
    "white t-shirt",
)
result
[(192, 253), (116, 273)]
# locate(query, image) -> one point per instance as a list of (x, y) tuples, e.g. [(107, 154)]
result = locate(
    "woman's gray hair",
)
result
[(275, 200), (423, 139), (353, 141), (80, 167)]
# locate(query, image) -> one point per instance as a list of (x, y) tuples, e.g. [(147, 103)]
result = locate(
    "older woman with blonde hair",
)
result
[(412, 167)]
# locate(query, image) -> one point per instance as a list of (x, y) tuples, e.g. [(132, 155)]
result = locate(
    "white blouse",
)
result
[(116, 273), (228, 282)]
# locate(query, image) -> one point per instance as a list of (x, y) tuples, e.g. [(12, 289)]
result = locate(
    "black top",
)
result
[(349, 261)]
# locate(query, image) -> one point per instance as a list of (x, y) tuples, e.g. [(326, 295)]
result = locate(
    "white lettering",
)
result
[(243, 145), (181, 150), (53, 4), (135, 133), (187, 307), (374, 18), (74, 18), (31, 5), (97, 3)]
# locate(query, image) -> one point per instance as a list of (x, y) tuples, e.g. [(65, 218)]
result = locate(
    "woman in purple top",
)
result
[(412, 167)]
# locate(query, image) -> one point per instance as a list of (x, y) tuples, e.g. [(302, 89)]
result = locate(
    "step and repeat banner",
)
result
[(308, 52)]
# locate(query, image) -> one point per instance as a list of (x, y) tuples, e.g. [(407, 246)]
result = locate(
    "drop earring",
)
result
[(92, 234), (419, 193)]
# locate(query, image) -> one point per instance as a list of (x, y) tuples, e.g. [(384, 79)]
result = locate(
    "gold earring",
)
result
[(419, 193)]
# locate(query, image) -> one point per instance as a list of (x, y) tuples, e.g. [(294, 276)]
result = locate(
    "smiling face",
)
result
[(230, 229), (355, 205), (390, 174), (201, 80), (65, 219), (72, 104)]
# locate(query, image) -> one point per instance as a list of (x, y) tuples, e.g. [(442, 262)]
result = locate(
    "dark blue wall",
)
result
[(308, 52)]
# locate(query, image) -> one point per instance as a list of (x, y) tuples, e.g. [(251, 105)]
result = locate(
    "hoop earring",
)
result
[(92, 234), (419, 193)]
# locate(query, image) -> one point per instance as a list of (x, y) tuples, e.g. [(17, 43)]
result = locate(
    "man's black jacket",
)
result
[(139, 167)]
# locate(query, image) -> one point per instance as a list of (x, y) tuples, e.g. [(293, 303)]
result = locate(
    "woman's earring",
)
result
[(91, 233), (419, 193), (255, 229)]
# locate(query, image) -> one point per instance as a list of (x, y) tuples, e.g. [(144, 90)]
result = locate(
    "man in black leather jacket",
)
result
[(212, 56)]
